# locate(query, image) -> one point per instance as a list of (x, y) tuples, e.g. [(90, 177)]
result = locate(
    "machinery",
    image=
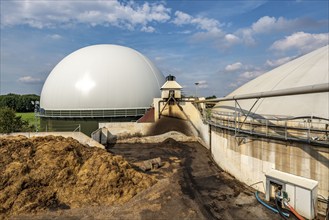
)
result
[(171, 93)]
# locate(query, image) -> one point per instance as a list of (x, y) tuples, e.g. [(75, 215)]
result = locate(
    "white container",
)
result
[(302, 191)]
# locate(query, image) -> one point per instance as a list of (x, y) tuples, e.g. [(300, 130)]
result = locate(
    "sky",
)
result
[(219, 44)]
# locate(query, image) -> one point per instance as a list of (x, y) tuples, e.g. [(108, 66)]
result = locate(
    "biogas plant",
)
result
[(101, 83), (271, 134)]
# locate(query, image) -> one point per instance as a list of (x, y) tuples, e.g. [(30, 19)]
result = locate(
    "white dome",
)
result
[(310, 69), (102, 77)]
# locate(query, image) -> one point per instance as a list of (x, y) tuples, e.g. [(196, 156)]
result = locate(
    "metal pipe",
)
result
[(292, 210), (269, 136), (246, 116), (235, 118), (279, 209), (267, 206), (318, 88)]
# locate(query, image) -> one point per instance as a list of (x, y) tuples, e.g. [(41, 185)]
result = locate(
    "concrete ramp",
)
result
[(177, 136), (148, 117)]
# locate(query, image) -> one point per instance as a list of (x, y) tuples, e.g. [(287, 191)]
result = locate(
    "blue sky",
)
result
[(220, 44)]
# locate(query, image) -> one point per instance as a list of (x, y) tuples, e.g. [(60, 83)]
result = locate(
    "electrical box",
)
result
[(302, 191)]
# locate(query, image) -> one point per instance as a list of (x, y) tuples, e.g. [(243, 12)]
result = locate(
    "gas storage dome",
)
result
[(309, 69), (101, 77)]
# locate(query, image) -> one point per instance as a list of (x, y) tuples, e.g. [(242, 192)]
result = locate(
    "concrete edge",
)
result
[(177, 136), (81, 137)]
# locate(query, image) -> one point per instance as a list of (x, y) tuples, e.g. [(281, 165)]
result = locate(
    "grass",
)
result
[(30, 118), (27, 116)]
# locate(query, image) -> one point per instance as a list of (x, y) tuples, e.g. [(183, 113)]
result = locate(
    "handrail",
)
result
[(98, 113), (77, 128), (301, 131)]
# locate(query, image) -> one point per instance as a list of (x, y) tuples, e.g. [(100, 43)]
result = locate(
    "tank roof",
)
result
[(309, 69), (102, 77)]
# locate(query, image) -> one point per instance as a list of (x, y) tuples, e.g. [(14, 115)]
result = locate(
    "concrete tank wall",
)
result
[(248, 159), (108, 132), (195, 118), (198, 127), (87, 125), (126, 128)]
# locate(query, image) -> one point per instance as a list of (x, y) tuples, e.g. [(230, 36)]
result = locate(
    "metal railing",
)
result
[(107, 113), (318, 88), (308, 129)]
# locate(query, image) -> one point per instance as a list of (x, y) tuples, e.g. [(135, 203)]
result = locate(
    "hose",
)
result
[(293, 210), (269, 207), (279, 209)]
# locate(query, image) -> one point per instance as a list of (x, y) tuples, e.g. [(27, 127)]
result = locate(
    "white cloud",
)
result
[(246, 73), (148, 29), (304, 42), (211, 29), (206, 24), (233, 67), (231, 38), (263, 24), (250, 74), (182, 18), (29, 80), (246, 36), (55, 36), (208, 30), (48, 14), (202, 23), (185, 32), (245, 77), (267, 24), (279, 62)]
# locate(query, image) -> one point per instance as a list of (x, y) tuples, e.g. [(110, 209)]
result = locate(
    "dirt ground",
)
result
[(189, 186), (55, 173)]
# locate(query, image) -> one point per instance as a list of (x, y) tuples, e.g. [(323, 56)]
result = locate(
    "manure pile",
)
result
[(51, 173)]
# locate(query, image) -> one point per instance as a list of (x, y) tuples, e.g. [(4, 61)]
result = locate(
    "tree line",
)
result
[(18, 103), (10, 122)]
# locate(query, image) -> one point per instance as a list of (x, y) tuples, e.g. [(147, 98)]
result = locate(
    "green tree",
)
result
[(210, 105), (19, 103), (211, 97), (9, 122)]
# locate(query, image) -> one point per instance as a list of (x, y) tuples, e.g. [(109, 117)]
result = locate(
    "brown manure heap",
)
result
[(52, 173)]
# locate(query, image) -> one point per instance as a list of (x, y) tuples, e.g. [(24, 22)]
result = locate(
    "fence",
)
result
[(307, 129), (92, 113)]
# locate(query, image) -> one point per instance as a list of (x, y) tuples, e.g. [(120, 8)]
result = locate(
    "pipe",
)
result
[(318, 88), (267, 206), (308, 141), (279, 208), (258, 183), (293, 210)]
